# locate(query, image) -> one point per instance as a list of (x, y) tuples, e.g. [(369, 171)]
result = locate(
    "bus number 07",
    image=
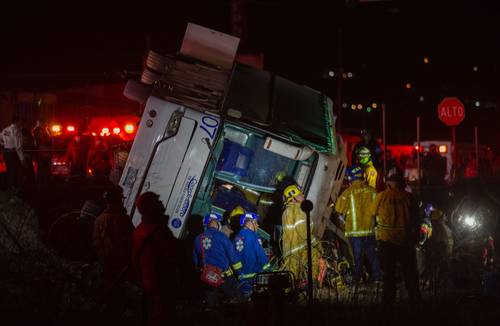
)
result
[(209, 125)]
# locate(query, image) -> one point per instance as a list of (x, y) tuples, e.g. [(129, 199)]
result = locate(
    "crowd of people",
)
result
[(28, 154)]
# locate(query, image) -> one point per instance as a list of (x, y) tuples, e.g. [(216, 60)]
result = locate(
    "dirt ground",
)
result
[(40, 287)]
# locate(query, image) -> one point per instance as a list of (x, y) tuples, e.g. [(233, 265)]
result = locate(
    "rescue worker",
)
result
[(354, 204), (154, 258), (438, 248), (396, 216), (113, 235), (365, 162), (11, 140), (218, 261), (77, 155), (231, 222), (371, 144), (294, 239), (249, 247)]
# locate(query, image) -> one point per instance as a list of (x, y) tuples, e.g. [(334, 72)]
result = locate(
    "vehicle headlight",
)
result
[(470, 221)]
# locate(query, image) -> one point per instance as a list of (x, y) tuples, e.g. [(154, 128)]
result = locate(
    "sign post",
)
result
[(452, 112)]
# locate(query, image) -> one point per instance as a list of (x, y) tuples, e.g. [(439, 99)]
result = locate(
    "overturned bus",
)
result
[(211, 139)]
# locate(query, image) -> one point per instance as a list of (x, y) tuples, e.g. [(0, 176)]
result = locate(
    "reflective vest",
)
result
[(392, 210), (249, 249), (354, 204), (214, 248)]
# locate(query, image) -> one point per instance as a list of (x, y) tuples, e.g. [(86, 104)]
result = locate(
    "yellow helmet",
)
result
[(237, 211), (291, 192)]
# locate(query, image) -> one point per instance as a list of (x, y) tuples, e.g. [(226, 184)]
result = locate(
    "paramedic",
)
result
[(215, 257), (354, 204), (249, 248), (154, 258)]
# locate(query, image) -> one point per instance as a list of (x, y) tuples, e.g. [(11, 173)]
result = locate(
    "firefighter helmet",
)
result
[(364, 155), (237, 211), (291, 192)]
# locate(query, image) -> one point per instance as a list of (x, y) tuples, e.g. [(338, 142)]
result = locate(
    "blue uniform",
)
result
[(251, 253), (218, 251)]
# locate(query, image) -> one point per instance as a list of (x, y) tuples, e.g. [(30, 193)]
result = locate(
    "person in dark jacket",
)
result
[(113, 235), (154, 257), (43, 157), (77, 155)]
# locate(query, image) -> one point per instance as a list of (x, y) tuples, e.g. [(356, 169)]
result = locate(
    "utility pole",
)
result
[(339, 79)]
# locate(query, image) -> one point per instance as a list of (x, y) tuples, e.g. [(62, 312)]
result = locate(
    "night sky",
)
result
[(382, 43)]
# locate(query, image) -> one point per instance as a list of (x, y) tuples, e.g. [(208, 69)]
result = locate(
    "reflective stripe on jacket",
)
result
[(392, 210), (354, 203), (251, 253)]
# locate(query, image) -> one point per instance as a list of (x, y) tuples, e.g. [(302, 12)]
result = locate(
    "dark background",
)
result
[(57, 45)]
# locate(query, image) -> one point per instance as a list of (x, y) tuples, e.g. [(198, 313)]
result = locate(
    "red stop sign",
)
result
[(451, 111)]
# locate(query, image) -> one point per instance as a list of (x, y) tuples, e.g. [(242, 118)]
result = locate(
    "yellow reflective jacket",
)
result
[(354, 203), (294, 242), (392, 210), (370, 174)]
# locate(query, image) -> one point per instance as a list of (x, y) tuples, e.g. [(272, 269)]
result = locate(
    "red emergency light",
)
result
[(116, 130), (105, 131), (70, 128), (129, 128), (56, 128)]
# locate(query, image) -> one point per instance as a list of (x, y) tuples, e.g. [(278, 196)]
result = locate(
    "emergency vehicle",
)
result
[(114, 129), (216, 134)]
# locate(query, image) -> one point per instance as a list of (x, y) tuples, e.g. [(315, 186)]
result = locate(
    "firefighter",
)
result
[(113, 235), (371, 144), (218, 261), (249, 247), (397, 222), (231, 222), (294, 239), (354, 205), (365, 161), (154, 258)]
